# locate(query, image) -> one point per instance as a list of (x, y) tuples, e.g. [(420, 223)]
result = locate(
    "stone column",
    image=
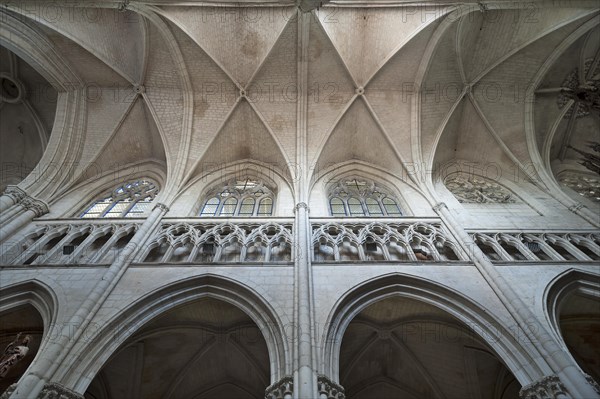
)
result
[(11, 196), (46, 364), (542, 342), (31, 208), (305, 374)]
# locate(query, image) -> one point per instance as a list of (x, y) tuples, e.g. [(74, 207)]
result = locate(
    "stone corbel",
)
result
[(329, 389), (549, 387), (282, 389)]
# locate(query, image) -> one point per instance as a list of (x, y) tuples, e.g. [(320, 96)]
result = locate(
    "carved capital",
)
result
[(6, 394), (162, 207), (438, 207), (548, 387), (15, 193), (592, 382), (280, 389), (576, 207), (53, 390), (330, 388), (301, 205), (38, 207)]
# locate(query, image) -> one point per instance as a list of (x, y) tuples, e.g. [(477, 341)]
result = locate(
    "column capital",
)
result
[(438, 207), (576, 207), (592, 382), (301, 205), (161, 206), (280, 389), (15, 193), (38, 207), (330, 388), (548, 387), (51, 390)]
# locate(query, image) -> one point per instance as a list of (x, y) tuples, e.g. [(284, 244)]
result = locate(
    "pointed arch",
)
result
[(507, 348), (99, 348)]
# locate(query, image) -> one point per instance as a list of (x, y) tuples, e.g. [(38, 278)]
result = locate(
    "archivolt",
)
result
[(491, 331), (115, 332)]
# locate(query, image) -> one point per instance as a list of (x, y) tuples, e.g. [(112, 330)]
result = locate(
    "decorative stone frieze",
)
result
[(282, 389), (380, 241), (548, 387), (535, 246), (329, 388), (223, 242)]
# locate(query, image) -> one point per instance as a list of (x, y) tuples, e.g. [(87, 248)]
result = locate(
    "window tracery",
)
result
[(583, 184), (245, 198), (129, 200), (356, 197), (478, 190)]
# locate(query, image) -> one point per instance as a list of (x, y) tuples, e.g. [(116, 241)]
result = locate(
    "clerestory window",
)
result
[(357, 197), (244, 198), (129, 200)]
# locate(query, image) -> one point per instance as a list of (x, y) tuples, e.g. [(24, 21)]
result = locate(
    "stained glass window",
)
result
[(357, 197), (245, 198), (128, 200)]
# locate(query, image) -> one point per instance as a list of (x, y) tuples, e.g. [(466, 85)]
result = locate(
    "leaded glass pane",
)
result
[(139, 208), (118, 209), (373, 207), (247, 207), (391, 207), (142, 192), (210, 208), (337, 207), (265, 208), (229, 207), (355, 207)]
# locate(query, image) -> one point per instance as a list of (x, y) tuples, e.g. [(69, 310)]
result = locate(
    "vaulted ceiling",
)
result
[(185, 85)]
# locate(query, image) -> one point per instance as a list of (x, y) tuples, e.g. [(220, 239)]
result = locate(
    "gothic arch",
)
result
[(199, 187), (85, 192), (39, 298), (567, 285), (405, 192), (489, 330), (115, 332)]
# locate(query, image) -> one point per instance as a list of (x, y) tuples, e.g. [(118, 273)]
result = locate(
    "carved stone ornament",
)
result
[(583, 184), (38, 207), (585, 93), (548, 387), (51, 390), (301, 205), (15, 193), (478, 190), (280, 389), (162, 207), (330, 388), (592, 382)]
